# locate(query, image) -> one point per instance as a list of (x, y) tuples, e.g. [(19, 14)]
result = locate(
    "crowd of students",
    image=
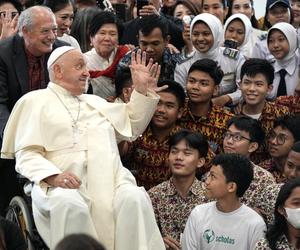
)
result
[(220, 158)]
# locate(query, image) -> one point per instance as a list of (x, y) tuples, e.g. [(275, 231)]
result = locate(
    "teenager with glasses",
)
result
[(243, 136), (280, 141)]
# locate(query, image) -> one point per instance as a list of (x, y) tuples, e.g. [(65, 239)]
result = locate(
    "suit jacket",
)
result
[(14, 78)]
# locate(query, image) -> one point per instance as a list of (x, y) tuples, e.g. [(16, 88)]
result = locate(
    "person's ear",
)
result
[(270, 88), (253, 147), (57, 70), (216, 90), (180, 112), (167, 40), (201, 162), (231, 187), (281, 211)]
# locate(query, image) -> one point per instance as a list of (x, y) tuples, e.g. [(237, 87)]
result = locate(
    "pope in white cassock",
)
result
[(66, 143)]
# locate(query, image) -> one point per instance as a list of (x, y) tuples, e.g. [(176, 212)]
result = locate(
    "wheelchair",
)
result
[(19, 212)]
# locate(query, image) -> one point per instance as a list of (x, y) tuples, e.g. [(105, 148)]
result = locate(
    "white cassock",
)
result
[(108, 205)]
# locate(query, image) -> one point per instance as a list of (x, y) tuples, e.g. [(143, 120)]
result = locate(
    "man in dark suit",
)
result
[(23, 60)]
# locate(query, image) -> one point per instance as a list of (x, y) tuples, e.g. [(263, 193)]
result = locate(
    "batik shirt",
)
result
[(171, 210), (148, 159), (269, 114), (213, 125), (261, 179), (281, 244), (291, 102), (267, 200), (271, 166)]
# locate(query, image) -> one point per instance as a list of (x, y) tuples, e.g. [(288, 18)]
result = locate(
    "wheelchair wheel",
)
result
[(19, 213)]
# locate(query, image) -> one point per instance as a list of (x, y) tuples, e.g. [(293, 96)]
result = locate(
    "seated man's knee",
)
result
[(63, 199), (132, 196)]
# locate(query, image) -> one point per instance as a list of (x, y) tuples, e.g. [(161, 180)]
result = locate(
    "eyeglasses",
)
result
[(236, 137), (280, 138)]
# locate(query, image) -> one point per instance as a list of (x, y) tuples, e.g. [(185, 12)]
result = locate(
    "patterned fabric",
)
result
[(281, 244), (168, 64), (267, 199), (213, 125), (272, 167), (261, 179), (35, 72), (171, 210), (270, 113), (149, 159), (291, 102)]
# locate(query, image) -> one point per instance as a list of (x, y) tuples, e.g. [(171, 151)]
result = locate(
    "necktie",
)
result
[(282, 84)]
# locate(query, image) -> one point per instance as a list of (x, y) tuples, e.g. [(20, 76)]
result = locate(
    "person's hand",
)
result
[(9, 25), (171, 243), (63, 180), (221, 100), (172, 48), (144, 77), (148, 10), (187, 39)]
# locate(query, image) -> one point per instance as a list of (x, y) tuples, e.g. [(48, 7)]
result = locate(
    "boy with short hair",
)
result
[(243, 136), (174, 199), (280, 141), (257, 76), (225, 223), (148, 154), (200, 114)]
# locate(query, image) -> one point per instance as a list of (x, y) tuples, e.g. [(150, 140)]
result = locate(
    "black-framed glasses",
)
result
[(280, 138), (236, 137)]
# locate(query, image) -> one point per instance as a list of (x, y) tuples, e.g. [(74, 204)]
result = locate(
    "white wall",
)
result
[(259, 6)]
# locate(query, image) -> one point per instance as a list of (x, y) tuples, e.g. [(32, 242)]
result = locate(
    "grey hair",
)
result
[(26, 18)]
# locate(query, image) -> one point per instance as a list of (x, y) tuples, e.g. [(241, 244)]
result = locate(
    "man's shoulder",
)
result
[(159, 189), (251, 216)]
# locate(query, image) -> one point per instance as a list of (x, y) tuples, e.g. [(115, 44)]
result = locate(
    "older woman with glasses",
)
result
[(280, 141)]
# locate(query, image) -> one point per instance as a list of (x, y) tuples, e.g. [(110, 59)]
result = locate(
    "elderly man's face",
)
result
[(71, 72), (39, 38)]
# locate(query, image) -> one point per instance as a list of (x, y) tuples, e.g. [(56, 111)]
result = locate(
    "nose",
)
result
[(161, 108), (86, 72), (68, 22), (179, 156)]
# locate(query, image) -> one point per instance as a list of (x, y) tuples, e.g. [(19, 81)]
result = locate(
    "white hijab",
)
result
[(216, 28), (244, 48), (291, 35)]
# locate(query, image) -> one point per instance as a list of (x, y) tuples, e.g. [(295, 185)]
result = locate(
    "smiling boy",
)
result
[(225, 223)]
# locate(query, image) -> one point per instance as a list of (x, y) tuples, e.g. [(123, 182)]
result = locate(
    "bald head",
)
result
[(28, 17)]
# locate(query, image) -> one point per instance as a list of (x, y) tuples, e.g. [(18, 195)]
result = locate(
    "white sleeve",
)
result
[(180, 75), (31, 163), (189, 239), (257, 233)]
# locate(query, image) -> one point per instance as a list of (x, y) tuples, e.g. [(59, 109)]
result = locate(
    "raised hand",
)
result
[(144, 77), (9, 25)]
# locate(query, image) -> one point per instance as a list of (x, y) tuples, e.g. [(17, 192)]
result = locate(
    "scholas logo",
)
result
[(209, 236)]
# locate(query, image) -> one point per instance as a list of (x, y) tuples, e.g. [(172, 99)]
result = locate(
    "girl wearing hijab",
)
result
[(238, 28), (283, 45), (207, 36)]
